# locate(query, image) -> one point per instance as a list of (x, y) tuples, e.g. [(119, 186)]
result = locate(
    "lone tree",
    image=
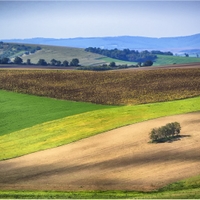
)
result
[(53, 62), (65, 63), (4, 60), (165, 133), (28, 62), (112, 64), (42, 62), (18, 60), (74, 62), (148, 63)]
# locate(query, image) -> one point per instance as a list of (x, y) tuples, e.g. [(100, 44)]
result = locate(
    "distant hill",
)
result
[(61, 53), (174, 44)]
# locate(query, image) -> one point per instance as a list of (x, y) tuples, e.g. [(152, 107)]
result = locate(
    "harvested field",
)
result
[(123, 87), (121, 159)]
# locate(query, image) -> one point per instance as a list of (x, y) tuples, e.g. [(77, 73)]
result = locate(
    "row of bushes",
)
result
[(165, 133), (18, 60), (105, 67), (114, 66)]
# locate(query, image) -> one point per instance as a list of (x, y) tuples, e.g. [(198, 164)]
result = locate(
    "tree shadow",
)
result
[(171, 139), (177, 138)]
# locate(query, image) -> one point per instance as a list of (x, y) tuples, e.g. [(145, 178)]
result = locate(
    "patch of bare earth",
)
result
[(121, 159)]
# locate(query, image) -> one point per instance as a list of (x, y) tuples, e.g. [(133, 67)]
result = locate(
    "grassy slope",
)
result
[(19, 111), (118, 62), (65, 53), (90, 59), (72, 128), (170, 60)]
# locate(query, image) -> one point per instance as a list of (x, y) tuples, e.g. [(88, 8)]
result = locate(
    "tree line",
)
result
[(128, 55), (19, 61), (114, 66)]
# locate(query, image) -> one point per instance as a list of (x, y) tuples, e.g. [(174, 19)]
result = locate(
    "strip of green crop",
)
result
[(169, 60), (179, 194), (19, 111), (69, 129)]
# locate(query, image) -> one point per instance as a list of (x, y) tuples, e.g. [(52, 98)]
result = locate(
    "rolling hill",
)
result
[(174, 44), (61, 53), (83, 157)]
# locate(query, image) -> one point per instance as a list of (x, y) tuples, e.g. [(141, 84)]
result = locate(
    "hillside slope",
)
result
[(34, 52), (65, 53), (122, 42), (121, 159)]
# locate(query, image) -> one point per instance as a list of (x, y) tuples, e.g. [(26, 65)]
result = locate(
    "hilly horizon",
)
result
[(181, 44)]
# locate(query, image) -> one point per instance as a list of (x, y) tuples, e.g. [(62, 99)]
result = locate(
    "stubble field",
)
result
[(113, 88)]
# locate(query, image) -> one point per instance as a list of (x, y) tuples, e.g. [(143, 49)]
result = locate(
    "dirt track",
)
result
[(121, 159)]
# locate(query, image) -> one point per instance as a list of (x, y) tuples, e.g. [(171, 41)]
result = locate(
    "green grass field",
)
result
[(118, 62), (20, 111), (170, 60)]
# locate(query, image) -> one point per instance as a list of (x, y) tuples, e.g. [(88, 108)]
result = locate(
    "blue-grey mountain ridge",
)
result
[(186, 44)]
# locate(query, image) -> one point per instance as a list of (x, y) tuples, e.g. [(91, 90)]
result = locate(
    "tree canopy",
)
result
[(42, 62), (74, 62), (18, 60), (165, 133), (126, 54)]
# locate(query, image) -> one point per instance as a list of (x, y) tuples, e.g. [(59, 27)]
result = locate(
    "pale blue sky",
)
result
[(69, 19)]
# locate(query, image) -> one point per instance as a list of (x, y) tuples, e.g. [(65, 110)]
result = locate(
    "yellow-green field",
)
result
[(78, 126)]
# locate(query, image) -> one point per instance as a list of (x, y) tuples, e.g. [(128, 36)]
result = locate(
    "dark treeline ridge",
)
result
[(41, 62), (128, 55)]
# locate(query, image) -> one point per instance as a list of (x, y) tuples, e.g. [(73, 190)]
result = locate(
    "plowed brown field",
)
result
[(121, 159)]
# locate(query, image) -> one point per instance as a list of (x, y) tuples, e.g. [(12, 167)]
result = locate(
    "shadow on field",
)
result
[(177, 138), (32, 173)]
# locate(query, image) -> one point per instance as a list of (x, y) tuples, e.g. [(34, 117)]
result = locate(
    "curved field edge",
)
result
[(73, 128), (184, 189), (19, 111)]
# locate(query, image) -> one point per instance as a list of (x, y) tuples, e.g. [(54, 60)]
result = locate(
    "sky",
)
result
[(80, 18)]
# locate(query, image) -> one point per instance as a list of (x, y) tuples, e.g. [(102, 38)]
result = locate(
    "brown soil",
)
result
[(121, 159)]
